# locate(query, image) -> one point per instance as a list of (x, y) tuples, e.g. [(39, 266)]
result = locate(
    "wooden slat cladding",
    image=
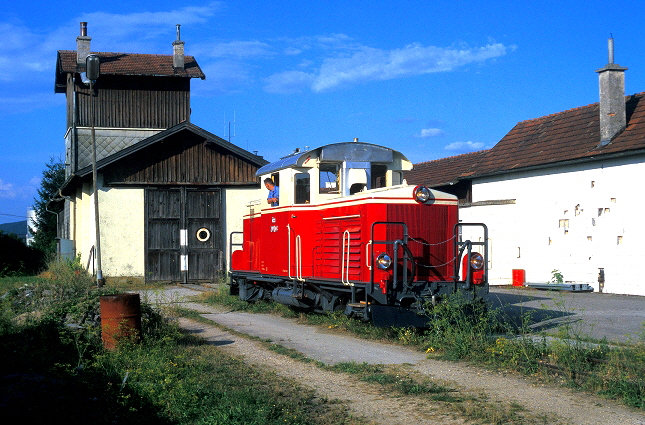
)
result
[(184, 158), (195, 211), (163, 209), (134, 102)]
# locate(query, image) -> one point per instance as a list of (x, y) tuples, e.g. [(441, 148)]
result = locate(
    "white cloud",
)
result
[(222, 77), (7, 190), (344, 62), (430, 132), (145, 25), (135, 32), (465, 146), (292, 51), (236, 50), (11, 191), (371, 64), (288, 82)]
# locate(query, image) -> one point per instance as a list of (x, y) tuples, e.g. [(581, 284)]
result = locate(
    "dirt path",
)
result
[(560, 405), (364, 400)]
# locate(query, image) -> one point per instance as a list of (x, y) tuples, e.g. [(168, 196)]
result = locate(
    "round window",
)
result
[(203, 234)]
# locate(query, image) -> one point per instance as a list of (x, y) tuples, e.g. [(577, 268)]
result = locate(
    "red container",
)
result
[(120, 319), (518, 277)]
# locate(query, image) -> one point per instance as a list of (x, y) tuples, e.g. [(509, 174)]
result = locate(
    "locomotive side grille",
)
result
[(329, 254)]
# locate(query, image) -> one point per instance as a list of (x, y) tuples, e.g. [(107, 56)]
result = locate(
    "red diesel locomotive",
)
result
[(349, 234)]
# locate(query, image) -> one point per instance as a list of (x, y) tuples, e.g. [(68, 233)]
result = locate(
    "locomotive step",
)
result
[(361, 304)]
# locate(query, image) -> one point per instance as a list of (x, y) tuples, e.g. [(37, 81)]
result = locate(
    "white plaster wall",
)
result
[(604, 224), (82, 227), (235, 205), (121, 220), (122, 223)]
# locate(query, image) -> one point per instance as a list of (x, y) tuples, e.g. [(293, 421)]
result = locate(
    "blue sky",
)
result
[(429, 78)]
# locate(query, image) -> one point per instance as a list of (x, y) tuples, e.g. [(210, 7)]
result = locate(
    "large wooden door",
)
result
[(205, 242), (163, 256), (183, 234)]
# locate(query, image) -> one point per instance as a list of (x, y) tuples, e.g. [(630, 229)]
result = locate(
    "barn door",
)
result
[(183, 233), (163, 209), (204, 247)]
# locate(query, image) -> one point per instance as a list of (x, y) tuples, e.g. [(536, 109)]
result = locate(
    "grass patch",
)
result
[(478, 409), (54, 368), (395, 380), (461, 331)]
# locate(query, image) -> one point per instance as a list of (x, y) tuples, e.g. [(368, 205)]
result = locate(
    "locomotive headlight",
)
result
[(383, 261), (476, 261), (421, 194)]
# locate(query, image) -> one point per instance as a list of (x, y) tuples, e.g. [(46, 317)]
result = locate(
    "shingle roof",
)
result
[(441, 172), (130, 64), (572, 135)]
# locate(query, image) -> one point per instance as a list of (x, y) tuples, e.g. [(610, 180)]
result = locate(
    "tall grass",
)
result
[(55, 369), (459, 330)]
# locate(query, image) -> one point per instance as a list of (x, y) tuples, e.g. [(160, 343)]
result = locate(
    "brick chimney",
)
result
[(613, 118), (82, 45), (178, 52)]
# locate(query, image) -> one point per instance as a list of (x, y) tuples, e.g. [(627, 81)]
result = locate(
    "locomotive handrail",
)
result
[(461, 246), (231, 245), (289, 251), (367, 255), (340, 217), (346, 242), (387, 242), (297, 254), (298, 258)]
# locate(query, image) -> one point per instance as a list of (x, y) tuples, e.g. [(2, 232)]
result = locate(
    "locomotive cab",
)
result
[(350, 234), (334, 171)]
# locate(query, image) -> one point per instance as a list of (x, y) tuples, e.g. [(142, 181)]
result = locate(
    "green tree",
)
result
[(46, 211)]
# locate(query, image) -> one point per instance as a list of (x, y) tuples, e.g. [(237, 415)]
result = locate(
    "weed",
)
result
[(49, 341), (460, 330)]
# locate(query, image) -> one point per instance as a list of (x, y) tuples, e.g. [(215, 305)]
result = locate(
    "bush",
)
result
[(461, 329)]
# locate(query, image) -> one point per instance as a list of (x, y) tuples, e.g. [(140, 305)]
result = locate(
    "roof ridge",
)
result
[(575, 109), (125, 53), (559, 113), (452, 157)]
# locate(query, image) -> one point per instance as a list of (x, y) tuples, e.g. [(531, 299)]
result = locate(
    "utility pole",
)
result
[(93, 70)]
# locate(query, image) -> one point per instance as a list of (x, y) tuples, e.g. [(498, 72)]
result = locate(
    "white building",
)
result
[(560, 192)]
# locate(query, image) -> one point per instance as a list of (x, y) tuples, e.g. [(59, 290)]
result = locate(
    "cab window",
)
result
[(378, 175), (328, 178), (301, 182)]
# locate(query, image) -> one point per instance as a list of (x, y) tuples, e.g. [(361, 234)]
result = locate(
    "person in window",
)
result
[(274, 192)]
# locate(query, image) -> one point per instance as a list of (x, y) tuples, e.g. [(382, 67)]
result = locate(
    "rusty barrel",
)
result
[(120, 319)]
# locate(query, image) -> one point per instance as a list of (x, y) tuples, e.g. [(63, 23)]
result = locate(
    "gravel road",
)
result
[(618, 318), (327, 346)]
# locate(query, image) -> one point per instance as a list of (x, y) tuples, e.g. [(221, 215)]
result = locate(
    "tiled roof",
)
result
[(444, 171), (132, 64), (571, 135)]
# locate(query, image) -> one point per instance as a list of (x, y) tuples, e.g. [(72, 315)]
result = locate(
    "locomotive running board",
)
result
[(385, 316)]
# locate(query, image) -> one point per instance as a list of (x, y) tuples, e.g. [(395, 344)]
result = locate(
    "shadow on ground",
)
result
[(538, 319)]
